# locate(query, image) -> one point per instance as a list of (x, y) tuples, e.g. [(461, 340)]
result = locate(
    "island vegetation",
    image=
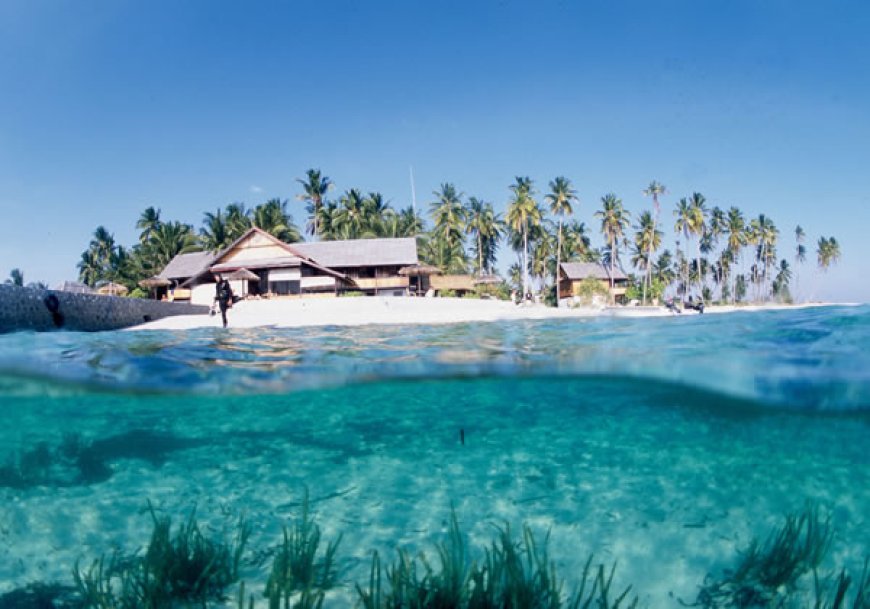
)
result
[(722, 254)]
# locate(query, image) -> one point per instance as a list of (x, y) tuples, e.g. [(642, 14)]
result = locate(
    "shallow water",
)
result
[(665, 444)]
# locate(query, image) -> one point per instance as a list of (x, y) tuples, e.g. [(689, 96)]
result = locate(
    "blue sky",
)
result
[(107, 107)]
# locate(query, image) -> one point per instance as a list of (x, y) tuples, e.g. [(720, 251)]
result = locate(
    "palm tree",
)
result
[(685, 219), (487, 227), (315, 186), (90, 268), (542, 258), (698, 226), (273, 218), (576, 245), (103, 259), (16, 278), (448, 215), (169, 240), (214, 234), (736, 229), (614, 220), (410, 223), (238, 220), (647, 240), (148, 222), (654, 190), (350, 217), (764, 235), (523, 212), (782, 280), (828, 252), (560, 197), (799, 257)]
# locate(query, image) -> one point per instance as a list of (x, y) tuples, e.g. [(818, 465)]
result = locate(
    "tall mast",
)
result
[(413, 194)]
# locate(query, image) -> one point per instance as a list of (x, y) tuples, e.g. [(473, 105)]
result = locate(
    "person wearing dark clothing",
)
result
[(223, 294)]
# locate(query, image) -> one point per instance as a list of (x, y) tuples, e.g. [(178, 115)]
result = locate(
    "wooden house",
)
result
[(571, 274), (325, 268)]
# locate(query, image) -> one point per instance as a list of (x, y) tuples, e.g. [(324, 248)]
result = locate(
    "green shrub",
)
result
[(351, 294), (588, 289)]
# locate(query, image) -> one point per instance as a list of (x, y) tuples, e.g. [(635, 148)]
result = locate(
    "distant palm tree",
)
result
[(800, 256), (827, 252), (560, 197), (654, 190), (448, 215), (647, 240), (148, 222), (315, 186), (698, 227), (684, 225), (764, 235), (782, 280), (350, 219), (542, 263), (736, 229), (523, 213), (576, 245), (487, 228), (614, 220), (16, 278)]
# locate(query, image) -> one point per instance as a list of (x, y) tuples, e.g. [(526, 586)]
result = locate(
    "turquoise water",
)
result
[(665, 444)]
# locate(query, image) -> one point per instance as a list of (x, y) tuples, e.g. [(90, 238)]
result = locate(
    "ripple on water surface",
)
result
[(804, 359)]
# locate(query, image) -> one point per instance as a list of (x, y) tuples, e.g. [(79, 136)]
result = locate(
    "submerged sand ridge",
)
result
[(290, 313)]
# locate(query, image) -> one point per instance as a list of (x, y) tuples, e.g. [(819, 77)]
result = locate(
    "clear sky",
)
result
[(109, 106)]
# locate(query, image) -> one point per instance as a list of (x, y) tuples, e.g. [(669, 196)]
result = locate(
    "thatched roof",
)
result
[(112, 289), (184, 266), (576, 271), (155, 282), (243, 274), (416, 270), (361, 252), (452, 282)]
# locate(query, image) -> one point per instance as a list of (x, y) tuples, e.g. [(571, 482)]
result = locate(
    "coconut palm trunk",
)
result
[(525, 260), (647, 282), (558, 262), (612, 256)]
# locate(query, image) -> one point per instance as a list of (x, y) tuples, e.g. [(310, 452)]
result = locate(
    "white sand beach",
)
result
[(300, 312)]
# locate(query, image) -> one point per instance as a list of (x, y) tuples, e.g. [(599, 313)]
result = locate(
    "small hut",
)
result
[(459, 285), (243, 275), (112, 289), (419, 277), (154, 284)]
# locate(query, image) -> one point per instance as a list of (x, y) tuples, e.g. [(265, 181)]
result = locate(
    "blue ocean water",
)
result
[(664, 444)]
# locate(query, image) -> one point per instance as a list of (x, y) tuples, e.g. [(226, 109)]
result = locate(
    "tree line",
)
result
[(721, 254)]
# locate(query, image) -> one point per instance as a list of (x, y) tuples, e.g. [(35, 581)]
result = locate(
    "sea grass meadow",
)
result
[(713, 460)]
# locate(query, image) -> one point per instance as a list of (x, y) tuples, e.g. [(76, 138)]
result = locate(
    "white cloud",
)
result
[(256, 190)]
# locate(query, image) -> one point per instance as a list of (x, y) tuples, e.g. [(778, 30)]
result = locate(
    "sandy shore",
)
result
[(384, 310)]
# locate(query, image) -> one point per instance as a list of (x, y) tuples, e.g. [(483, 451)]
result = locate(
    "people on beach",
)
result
[(223, 295)]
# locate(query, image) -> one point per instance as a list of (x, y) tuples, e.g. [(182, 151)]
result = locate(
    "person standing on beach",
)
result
[(223, 294)]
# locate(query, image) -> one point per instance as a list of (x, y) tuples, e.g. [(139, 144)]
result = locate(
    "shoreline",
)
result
[(296, 313)]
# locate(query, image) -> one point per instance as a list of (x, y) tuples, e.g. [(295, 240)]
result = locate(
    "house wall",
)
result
[(255, 247)]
